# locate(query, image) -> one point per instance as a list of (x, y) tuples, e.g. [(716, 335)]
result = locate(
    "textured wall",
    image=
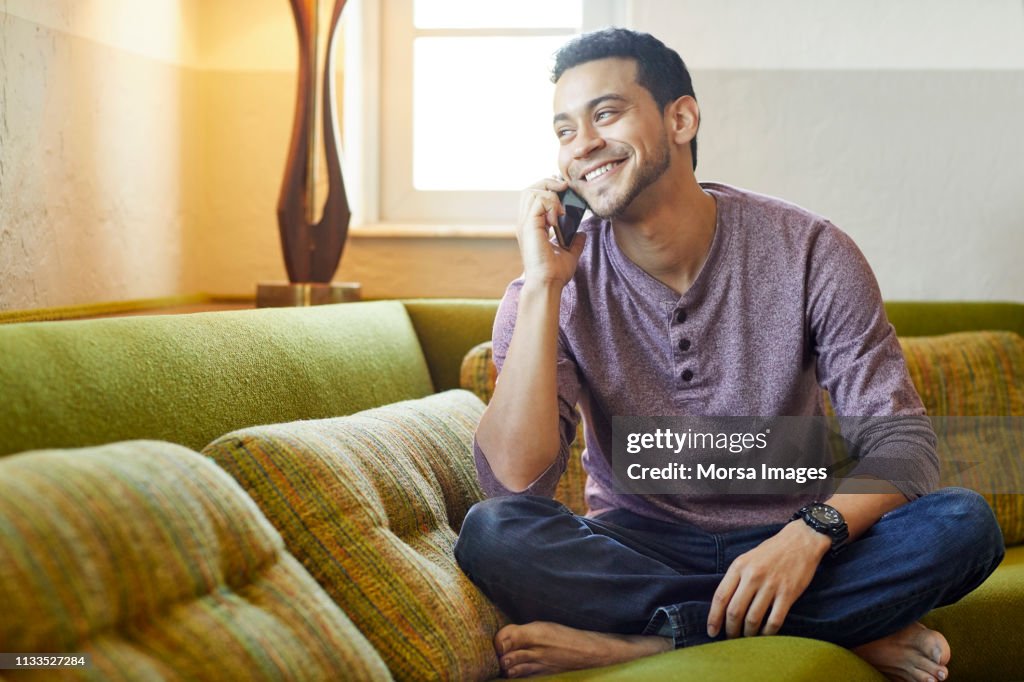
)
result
[(93, 188), (141, 153)]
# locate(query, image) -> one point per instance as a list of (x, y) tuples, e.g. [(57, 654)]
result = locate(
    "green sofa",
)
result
[(274, 494)]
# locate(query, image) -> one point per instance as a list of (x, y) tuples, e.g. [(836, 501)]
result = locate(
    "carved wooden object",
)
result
[(312, 250)]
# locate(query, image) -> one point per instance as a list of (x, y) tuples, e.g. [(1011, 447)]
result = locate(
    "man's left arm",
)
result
[(860, 363)]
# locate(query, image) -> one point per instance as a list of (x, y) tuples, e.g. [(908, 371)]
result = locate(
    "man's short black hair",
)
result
[(659, 68)]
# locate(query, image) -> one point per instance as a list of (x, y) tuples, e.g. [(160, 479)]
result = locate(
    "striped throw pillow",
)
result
[(976, 374), (478, 375), (151, 560), (371, 504)]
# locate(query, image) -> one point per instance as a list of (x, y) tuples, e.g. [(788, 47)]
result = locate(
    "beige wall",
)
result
[(142, 144), (141, 151), (899, 121), (93, 190)]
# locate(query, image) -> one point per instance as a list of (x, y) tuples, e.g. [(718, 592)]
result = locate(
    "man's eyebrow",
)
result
[(592, 104)]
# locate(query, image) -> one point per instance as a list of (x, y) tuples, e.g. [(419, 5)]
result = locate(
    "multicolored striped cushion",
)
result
[(968, 373), (149, 558), (371, 504), (478, 375), (976, 374)]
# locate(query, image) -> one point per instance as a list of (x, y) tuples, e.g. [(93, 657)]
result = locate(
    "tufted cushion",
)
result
[(478, 374), (153, 561), (371, 503), (968, 373), (976, 374)]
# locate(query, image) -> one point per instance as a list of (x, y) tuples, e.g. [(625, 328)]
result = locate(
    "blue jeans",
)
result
[(628, 574)]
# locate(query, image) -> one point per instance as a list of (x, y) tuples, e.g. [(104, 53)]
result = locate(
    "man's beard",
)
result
[(647, 176)]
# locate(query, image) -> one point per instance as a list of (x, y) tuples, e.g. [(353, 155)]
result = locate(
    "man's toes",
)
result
[(528, 670), (518, 657), (930, 673), (507, 639)]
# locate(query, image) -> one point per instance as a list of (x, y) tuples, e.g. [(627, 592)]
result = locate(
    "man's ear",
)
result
[(683, 119)]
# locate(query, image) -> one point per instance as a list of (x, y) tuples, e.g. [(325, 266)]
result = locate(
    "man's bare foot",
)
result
[(914, 654), (540, 648)]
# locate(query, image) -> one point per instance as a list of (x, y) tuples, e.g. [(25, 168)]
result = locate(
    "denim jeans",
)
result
[(628, 574)]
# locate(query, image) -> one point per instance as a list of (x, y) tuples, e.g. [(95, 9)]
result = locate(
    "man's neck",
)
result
[(670, 240)]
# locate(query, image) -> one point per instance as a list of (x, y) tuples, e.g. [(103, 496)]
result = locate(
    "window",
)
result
[(463, 122)]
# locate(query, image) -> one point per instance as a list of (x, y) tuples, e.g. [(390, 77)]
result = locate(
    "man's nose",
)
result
[(587, 142)]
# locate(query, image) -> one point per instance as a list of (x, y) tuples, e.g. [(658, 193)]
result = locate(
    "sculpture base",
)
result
[(285, 295)]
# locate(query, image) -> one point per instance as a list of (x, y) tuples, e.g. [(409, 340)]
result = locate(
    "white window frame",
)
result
[(378, 39)]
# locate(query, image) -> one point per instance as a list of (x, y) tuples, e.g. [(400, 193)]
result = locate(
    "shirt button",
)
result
[(684, 344), (687, 375), (680, 316)]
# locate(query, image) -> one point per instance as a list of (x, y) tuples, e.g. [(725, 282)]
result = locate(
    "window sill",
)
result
[(417, 231)]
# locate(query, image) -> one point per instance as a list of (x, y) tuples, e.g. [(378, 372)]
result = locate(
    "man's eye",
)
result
[(601, 115), (563, 132)]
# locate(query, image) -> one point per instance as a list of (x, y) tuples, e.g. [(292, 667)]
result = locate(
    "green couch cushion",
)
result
[(371, 504), (984, 628), (149, 558), (190, 378), (765, 659)]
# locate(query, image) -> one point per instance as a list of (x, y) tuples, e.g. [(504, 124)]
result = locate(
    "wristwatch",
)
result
[(826, 520)]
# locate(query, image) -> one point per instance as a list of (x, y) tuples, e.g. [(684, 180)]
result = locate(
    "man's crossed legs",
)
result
[(593, 591)]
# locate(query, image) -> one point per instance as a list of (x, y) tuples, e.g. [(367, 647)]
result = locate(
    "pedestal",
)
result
[(284, 295)]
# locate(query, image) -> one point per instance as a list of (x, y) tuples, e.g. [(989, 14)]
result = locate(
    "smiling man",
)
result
[(681, 298)]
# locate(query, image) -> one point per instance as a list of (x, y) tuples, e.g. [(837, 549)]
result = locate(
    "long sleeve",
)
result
[(568, 393)]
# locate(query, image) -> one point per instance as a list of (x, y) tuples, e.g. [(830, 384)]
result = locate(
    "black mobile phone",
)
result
[(569, 223)]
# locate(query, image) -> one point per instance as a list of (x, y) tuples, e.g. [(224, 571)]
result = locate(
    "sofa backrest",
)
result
[(190, 378), (930, 318)]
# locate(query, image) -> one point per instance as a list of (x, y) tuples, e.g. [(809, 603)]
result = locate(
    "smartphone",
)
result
[(569, 223)]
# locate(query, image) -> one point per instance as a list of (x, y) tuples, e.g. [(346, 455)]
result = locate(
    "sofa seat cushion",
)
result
[(765, 659), (150, 559), (984, 628), (371, 504)]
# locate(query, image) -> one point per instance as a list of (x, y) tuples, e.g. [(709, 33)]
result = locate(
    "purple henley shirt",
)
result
[(784, 304)]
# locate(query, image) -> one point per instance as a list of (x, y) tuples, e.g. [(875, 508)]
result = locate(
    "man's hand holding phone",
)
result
[(541, 208)]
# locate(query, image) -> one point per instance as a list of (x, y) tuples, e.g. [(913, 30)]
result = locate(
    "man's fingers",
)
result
[(755, 613), (544, 204), (736, 611), (780, 609), (720, 601), (578, 242), (553, 214), (550, 184)]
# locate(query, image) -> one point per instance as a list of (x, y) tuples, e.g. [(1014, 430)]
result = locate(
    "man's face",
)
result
[(612, 135)]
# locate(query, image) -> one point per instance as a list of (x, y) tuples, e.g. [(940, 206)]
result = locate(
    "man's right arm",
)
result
[(519, 431)]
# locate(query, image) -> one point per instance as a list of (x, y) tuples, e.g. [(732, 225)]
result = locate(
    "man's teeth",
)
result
[(597, 172)]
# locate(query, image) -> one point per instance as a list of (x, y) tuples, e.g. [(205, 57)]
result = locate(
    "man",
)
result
[(681, 298)]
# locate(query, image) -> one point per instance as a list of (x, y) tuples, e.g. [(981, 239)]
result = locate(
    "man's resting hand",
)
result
[(766, 581)]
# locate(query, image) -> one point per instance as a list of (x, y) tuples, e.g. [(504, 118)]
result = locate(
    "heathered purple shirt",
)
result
[(784, 303)]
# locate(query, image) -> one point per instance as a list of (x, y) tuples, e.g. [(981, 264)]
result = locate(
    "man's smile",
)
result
[(601, 170)]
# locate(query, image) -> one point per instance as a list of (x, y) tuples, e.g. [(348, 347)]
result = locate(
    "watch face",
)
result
[(825, 515)]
